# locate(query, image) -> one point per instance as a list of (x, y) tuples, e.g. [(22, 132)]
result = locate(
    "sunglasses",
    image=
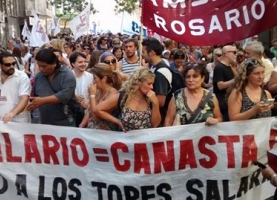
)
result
[(9, 64), (240, 56), (108, 62), (252, 62), (234, 52), (218, 55)]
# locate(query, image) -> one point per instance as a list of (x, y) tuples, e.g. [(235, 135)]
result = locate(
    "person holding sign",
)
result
[(248, 100), (193, 104)]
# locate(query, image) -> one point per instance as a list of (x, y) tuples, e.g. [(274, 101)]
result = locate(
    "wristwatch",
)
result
[(92, 96)]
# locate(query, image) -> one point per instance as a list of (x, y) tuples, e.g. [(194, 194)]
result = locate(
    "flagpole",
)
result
[(88, 32), (141, 34)]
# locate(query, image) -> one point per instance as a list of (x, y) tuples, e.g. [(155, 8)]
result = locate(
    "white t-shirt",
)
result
[(26, 57), (9, 98), (82, 84)]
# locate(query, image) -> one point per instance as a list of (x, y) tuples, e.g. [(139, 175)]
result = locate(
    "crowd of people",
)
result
[(121, 88), (105, 82)]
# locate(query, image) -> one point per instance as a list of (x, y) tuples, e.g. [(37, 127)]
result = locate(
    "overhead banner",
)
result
[(79, 25), (204, 22), (38, 34), (174, 163), (131, 24)]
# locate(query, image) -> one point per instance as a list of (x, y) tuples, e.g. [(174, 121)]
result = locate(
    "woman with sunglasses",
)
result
[(109, 59), (248, 99), (102, 43), (137, 104), (193, 104), (78, 47), (86, 51)]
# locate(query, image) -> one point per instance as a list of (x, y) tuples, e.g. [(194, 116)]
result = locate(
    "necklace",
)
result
[(105, 95)]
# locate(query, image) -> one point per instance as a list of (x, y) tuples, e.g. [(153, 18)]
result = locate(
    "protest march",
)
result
[(180, 105)]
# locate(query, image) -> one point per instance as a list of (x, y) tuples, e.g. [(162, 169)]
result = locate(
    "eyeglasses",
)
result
[(234, 52), (9, 64), (108, 62), (192, 65), (218, 55)]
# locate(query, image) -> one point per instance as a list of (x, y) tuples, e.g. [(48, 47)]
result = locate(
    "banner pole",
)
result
[(141, 34)]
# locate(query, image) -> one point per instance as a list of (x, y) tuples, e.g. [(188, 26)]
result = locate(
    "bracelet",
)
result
[(91, 96), (272, 179)]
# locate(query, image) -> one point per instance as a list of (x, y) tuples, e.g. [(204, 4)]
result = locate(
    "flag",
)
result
[(79, 25), (25, 31), (51, 26), (38, 34), (54, 25), (57, 28)]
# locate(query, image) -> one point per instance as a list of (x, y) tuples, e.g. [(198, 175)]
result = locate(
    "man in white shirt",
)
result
[(83, 78), (15, 88)]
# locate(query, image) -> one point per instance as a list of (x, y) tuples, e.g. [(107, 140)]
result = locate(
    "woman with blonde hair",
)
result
[(137, 104), (248, 99), (106, 83), (57, 44)]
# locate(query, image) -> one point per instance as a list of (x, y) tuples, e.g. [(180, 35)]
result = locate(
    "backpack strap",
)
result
[(119, 102), (200, 107)]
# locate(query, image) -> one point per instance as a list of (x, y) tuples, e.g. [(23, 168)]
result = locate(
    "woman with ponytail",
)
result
[(106, 83), (137, 104), (248, 99)]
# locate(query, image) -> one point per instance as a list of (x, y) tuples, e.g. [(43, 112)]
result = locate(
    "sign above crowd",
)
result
[(173, 163), (204, 22), (79, 25), (131, 25)]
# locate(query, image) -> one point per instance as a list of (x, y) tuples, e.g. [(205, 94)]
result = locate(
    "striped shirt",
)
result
[(129, 68)]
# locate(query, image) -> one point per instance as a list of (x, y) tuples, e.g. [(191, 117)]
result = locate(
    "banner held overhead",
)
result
[(204, 22)]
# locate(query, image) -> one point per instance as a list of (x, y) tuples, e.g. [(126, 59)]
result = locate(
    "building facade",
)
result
[(14, 12)]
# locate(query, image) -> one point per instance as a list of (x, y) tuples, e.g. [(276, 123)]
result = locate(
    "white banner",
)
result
[(174, 163), (79, 25), (25, 31), (54, 25), (38, 34), (131, 25)]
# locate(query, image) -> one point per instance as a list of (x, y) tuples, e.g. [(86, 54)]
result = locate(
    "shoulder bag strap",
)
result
[(200, 107)]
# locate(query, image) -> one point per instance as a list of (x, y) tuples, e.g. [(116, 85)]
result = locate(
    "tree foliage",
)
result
[(69, 7), (127, 5)]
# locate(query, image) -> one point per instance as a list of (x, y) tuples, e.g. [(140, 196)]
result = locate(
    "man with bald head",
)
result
[(223, 78)]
